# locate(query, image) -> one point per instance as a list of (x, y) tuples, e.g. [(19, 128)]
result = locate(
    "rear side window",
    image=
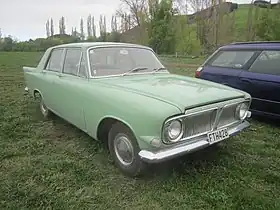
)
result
[(268, 62), (72, 61), (55, 61), (231, 59)]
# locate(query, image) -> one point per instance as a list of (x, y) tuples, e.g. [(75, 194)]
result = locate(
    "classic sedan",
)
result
[(122, 94)]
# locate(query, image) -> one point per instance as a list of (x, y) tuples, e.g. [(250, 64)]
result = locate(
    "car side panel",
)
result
[(42, 81), (71, 99), (264, 89), (48, 87), (222, 75)]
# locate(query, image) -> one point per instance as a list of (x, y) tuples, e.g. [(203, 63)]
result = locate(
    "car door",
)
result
[(226, 66), (262, 81), (50, 74), (70, 87)]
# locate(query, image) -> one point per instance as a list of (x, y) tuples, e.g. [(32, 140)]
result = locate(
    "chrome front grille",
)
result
[(228, 116), (199, 123), (203, 122)]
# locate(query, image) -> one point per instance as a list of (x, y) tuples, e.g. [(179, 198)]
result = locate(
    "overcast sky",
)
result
[(25, 19)]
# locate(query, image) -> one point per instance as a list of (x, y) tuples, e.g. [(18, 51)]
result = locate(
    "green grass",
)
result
[(241, 20), (50, 164), (182, 60)]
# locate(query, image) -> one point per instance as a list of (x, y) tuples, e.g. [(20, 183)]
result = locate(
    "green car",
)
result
[(123, 95)]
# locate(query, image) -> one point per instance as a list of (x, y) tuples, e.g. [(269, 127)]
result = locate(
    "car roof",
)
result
[(86, 45), (257, 45)]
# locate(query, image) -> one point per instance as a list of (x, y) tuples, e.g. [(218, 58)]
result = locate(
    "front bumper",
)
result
[(170, 153)]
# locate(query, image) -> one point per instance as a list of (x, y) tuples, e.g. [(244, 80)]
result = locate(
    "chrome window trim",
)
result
[(79, 63), (118, 75), (217, 107), (46, 66), (80, 60)]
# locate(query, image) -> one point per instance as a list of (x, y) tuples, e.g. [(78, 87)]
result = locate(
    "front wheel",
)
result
[(124, 150)]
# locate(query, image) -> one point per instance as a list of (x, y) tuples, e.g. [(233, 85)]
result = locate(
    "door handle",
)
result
[(245, 80)]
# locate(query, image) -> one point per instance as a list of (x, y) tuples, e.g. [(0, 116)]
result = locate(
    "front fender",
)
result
[(142, 114)]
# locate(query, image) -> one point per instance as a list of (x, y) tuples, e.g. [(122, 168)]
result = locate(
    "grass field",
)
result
[(50, 164)]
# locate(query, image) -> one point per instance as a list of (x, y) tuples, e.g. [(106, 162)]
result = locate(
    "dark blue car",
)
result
[(253, 67)]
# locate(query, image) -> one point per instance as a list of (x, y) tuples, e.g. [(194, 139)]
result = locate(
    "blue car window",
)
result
[(231, 59), (268, 62)]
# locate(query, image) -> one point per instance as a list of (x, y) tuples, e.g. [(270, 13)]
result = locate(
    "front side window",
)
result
[(231, 59), (118, 60), (55, 60), (268, 62), (72, 61)]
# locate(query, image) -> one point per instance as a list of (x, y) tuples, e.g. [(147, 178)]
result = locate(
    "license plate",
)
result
[(217, 135)]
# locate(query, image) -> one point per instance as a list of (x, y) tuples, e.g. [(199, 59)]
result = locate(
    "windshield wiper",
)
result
[(159, 69), (135, 70)]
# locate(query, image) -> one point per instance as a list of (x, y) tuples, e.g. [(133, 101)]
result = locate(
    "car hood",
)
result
[(180, 91)]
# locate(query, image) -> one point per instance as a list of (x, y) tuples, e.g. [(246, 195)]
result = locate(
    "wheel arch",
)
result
[(35, 92), (105, 125)]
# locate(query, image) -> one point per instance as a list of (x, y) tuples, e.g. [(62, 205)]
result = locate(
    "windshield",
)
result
[(119, 60)]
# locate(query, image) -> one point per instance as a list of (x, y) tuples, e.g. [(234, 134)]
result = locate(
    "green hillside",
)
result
[(241, 19), (233, 27)]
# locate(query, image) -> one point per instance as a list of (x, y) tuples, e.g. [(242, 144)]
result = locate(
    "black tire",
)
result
[(137, 167)]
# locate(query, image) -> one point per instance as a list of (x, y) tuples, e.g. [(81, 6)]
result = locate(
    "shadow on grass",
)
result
[(266, 120), (199, 162)]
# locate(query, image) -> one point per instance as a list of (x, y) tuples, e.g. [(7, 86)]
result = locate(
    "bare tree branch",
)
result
[(135, 8)]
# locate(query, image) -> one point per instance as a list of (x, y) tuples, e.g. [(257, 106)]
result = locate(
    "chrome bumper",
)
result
[(26, 91), (163, 155)]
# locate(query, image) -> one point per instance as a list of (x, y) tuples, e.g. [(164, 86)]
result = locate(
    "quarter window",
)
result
[(55, 61), (231, 59), (72, 61), (268, 62)]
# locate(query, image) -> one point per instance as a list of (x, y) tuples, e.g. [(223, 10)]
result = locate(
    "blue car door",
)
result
[(226, 66), (262, 81)]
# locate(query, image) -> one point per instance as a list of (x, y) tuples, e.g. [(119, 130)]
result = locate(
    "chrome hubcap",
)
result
[(43, 108), (124, 149)]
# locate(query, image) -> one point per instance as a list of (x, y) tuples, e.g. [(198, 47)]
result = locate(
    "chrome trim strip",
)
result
[(80, 60), (217, 118), (191, 114), (176, 151), (181, 117), (270, 101), (120, 45), (88, 63), (237, 121), (120, 75)]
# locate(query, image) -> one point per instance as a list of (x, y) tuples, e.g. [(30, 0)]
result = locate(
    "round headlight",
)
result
[(242, 110), (174, 130)]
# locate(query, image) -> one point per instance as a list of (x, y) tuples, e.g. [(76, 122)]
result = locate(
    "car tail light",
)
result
[(198, 71)]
